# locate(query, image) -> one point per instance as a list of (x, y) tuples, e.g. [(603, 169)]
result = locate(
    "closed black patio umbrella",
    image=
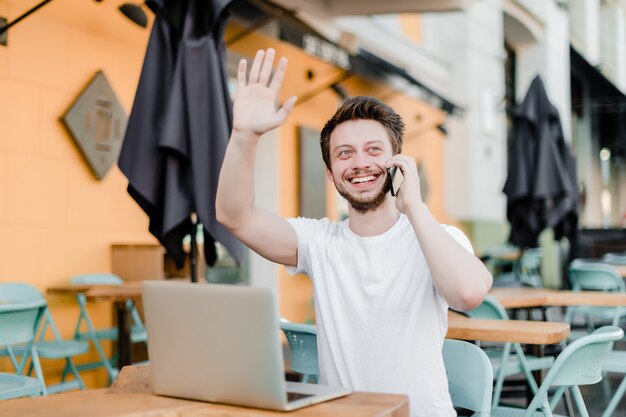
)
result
[(180, 124), (541, 185)]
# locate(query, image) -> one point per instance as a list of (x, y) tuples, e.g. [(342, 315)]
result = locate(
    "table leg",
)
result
[(124, 350)]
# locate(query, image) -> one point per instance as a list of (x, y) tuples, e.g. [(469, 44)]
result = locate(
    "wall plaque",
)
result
[(97, 122)]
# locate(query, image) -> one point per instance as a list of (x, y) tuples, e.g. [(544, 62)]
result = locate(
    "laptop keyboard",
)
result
[(293, 396)]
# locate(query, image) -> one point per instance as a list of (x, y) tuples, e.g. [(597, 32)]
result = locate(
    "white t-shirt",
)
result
[(380, 320)]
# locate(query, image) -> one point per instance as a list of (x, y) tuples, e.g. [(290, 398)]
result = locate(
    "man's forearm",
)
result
[(235, 191), (459, 276)]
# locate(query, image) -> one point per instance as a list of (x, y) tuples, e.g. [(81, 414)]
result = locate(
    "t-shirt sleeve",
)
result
[(308, 232), (460, 237)]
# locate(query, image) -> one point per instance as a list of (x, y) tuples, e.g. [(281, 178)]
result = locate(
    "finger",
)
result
[(266, 69), (286, 108), (279, 75), (241, 74), (256, 67)]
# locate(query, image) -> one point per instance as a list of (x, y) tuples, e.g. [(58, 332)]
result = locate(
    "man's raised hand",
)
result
[(254, 109)]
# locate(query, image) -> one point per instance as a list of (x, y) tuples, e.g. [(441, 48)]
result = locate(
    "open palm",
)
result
[(254, 107)]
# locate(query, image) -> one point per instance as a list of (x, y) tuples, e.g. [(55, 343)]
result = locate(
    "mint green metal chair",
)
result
[(55, 348), (593, 276), (302, 340), (95, 336), (615, 258), (508, 359), (470, 376), (18, 325), (615, 362), (526, 271), (580, 363)]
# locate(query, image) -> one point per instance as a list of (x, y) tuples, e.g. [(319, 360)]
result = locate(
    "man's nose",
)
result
[(362, 161)]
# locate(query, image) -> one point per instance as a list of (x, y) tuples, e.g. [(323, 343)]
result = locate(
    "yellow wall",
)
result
[(56, 219)]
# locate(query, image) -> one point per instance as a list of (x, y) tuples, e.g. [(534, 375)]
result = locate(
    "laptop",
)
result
[(221, 343)]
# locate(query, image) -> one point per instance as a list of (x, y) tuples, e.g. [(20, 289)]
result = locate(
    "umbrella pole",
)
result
[(193, 267)]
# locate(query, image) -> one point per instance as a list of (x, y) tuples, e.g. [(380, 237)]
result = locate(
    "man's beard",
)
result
[(363, 205)]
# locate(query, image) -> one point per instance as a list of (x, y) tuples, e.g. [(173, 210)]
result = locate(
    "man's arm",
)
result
[(460, 277), (254, 113)]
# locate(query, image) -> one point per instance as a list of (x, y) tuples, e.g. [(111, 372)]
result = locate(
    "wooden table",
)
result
[(540, 297), (118, 295), (131, 396), (521, 331)]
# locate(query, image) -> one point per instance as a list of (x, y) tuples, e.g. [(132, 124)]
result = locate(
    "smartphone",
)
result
[(395, 180)]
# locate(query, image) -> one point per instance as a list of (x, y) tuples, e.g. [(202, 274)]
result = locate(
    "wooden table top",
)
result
[(539, 297), (521, 331), (131, 396), (119, 293), (99, 292)]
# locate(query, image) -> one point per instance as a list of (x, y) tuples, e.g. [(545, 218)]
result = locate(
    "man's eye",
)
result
[(345, 152), (375, 149)]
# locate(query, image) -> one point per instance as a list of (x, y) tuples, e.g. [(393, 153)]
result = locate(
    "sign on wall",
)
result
[(97, 122)]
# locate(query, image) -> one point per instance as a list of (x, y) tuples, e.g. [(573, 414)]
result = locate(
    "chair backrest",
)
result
[(99, 279), (490, 309), (17, 292), (19, 321), (580, 363), (530, 261), (615, 258), (302, 340), (470, 376), (594, 277)]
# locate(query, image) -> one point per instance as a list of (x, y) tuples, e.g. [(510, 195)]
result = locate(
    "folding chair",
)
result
[(615, 258), (302, 340), (138, 331), (526, 271), (508, 359), (470, 377), (18, 325), (593, 276), (57, 348), (580, 363)]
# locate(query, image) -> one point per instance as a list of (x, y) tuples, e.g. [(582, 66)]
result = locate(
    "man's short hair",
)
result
[(364, 108)]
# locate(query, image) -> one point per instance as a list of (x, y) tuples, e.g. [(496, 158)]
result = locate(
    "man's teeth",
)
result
[(362, 179)]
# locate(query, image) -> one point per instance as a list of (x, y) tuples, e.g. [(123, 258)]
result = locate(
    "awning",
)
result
[(602, 86), (605, 103), (361, 62), (370, 7)]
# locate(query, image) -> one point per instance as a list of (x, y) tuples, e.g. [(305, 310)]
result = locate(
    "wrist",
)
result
[(244, 135), (417, 210)]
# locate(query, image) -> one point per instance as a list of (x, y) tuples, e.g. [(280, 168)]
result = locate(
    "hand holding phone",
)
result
[(395, 179)]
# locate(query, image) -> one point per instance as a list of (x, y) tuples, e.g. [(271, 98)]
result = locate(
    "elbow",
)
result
[(470, 300), (473, 296), (222, 216)]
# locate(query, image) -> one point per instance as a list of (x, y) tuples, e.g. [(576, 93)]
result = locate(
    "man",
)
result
[(383, 278)]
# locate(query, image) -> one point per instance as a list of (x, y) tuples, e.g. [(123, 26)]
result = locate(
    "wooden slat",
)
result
[(522, 331), (535, 297), (130, 290)]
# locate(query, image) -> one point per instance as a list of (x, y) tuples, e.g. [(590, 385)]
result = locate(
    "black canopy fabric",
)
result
[(541, 186), (180, 124)]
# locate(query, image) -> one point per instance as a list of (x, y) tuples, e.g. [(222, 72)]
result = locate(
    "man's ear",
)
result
[(329, 174)]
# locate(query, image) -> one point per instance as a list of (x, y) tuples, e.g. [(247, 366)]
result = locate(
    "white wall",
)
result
[(475, 148)]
